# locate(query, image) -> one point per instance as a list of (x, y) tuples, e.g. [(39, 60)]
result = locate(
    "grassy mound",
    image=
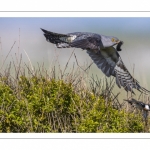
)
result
[(38, 104)]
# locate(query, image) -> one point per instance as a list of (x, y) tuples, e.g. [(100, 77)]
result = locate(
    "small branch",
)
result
[(29, 60)]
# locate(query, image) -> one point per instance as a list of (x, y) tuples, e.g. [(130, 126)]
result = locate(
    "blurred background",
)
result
[(28, 37)]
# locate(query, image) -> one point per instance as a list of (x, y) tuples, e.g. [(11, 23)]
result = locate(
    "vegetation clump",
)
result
[(38, 104)]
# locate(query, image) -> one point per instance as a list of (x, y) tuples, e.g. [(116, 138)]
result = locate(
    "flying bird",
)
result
[(140, 105), (102, 51)]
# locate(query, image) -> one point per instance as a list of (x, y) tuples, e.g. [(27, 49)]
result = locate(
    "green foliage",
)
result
[(41, 105), (104, 118)]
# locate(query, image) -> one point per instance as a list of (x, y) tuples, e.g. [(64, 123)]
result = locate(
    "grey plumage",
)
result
[(138, 104), (82, 40), (101, 50), (145, 108)]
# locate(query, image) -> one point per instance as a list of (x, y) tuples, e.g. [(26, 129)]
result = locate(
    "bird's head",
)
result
[(108, 41)]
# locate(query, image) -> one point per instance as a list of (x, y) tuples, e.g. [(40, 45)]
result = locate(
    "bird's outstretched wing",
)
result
[(92, 42), (110, 62), (77, 39)]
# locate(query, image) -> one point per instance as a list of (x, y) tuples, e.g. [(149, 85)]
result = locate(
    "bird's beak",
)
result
[(118, 41)]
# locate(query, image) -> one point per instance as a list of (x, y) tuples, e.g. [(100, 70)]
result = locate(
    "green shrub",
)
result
[(41, 105), (104, 118)]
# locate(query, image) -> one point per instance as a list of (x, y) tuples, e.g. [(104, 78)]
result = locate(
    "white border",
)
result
[(74, 14), (75, 135), (75, 141), (76, 5)]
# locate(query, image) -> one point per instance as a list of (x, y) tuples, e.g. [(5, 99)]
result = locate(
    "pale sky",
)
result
[(135, 32)]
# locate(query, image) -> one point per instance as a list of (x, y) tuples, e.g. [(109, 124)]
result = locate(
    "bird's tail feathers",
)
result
[(61, 40), (143, 90)]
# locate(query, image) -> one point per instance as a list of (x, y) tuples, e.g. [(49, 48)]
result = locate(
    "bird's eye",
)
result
[(113, 40)]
